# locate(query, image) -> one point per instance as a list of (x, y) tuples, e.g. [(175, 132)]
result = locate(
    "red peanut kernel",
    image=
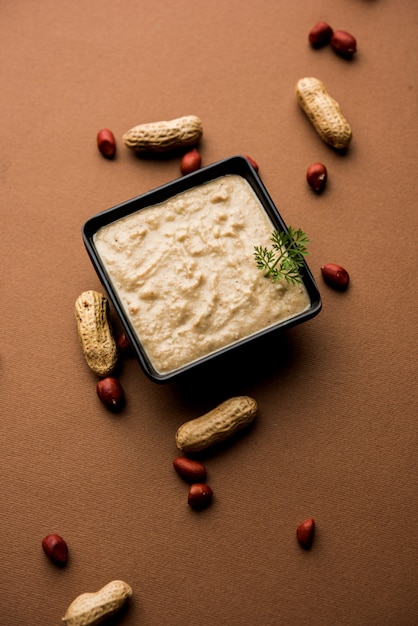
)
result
[(190, 162), (335, 276), (200, 496), (317, 176), (305, 533), (190, 470), (320, 35), (343, 43), (106, 143), (111, 393), (55, 547), (253, 163), (124, 345)]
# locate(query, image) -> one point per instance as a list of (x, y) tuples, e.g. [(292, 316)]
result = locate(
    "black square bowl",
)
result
[(236, 165)]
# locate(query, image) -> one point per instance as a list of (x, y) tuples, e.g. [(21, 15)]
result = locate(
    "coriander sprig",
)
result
[(285, 259)]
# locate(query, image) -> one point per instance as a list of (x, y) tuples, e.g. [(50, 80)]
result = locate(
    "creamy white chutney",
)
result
[(185, 273)]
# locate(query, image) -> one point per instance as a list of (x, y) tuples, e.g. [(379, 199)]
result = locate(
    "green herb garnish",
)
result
[(285, 259)]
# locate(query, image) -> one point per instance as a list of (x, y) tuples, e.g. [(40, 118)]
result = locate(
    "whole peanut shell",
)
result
[(89, 609), (323, 112), (95, 332), (164, 136), (216, 425)]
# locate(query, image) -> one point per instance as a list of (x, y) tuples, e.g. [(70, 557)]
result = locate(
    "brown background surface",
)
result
[(336, 433)]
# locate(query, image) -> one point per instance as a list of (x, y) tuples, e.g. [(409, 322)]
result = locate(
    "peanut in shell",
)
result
[(164, 136), (323, 112), (95, 332)]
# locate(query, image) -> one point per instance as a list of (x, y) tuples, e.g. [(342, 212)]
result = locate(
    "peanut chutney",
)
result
[(185, 273)]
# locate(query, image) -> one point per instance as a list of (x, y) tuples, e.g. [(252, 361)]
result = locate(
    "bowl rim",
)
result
[(239, 165)]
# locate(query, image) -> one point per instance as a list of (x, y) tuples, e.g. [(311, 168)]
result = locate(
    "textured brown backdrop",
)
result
[(336, 434)]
